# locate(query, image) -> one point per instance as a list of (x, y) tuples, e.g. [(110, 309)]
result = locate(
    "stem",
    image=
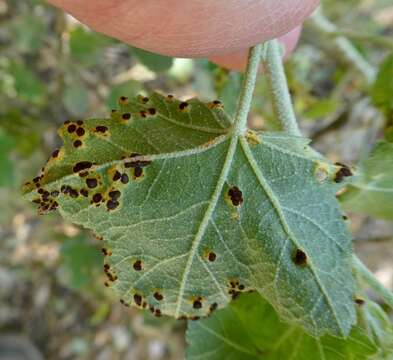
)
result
[(370, 279), (345, 47), (247, 91), (376, 39), (281, 98)]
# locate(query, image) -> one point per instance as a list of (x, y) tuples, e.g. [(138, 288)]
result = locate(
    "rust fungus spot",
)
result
[(211, 256), (144, 99), (213, 307), (126, 116), (300, 258), (71, 128), (101, 129), (138, 172), (84, 192), (194, 318), (67, 122), (114, 195), (112, 204), (124, 178), (183, 106), (83, 173), (91, 183), (241, 287), (343, 172), (158, 296), (197, 304), (345, 217), (138, 299), (73, 193), (77, 143), (235, 195), (123, 100), (152, 111), (106, 284), (359, 302), (55, 153), (97, 198), (116, 176), (80, 131), (143, 113), (157, 312), (83, 165), (169, 97), (138, 266), (216, 104), (79, 122)]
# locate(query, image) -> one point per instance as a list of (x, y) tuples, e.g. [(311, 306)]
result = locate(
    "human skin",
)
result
[(193, 28)]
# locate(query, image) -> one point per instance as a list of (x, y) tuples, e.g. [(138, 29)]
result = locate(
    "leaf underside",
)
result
[(188, 225), (249, 329)]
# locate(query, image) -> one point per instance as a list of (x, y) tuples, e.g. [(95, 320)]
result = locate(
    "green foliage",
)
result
[(383, 87), (76, 99), (154, 62), (372, 191), (81, 262), (250, 329), (6, 166), (187, 232), (88, 47)]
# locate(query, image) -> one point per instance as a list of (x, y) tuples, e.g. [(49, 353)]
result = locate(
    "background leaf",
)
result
[(382, 91), (372, 192), (250, 329), (186, 233), (154, 62)]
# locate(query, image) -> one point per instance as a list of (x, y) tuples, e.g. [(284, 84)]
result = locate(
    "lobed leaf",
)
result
[(192, 215)]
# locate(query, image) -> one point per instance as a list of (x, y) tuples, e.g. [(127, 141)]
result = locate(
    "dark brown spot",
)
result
[(106, 284), (106, 267), (170, 97), (91, 183), (137, 265), (84, 192), (359, 302), (138, 299), (73, 193), (213, 307), (83, 174), (101, 129), (37, 179), (145, 99), (345, 217), (138, 172), (116, 176), (40, 191), (123, 99), (197, 304), (211, 256), (83, 165), (124, 178), (79, 122), (55, 193), (158, 296), (104, 251), (71, 128), (115, 194), (217, 102), (55, 154), (77, 143), (67, 122), (126, 116), (194, 318), (152, 111), (112, 204), (300, 258), (80, 131), (235, 195), (342, 173), (241, 287), (183, 105), (143, 113), (157, 312), (97, 198)]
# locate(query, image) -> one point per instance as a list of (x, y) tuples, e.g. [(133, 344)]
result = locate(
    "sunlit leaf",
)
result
[(191, 214), (250, 329)]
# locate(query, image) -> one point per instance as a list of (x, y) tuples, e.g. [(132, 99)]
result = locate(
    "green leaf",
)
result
[(128, 87), (321, 108), (199, 216), (76, 99), (381, 329), (382, 91), (6, 165), (154, 62), (250, 329), (372, 191), (81, 262), (88, 47)]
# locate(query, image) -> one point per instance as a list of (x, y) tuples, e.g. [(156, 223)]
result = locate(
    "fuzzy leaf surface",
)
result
[(192, 214)]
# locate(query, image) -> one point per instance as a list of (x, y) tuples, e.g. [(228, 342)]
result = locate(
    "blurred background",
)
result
[(53, 69)]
